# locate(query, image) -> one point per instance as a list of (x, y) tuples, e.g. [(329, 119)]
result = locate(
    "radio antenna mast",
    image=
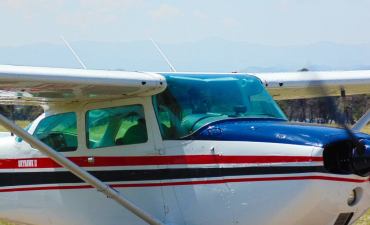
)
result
[(73, 53), (172, 68)]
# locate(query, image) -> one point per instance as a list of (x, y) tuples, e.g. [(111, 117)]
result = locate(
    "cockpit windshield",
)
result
[(192, 101)]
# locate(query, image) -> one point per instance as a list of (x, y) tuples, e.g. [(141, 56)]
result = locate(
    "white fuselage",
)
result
[(187, 182), (293, 198)]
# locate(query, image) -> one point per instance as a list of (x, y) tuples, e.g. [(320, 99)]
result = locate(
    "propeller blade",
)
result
[(359, 158)]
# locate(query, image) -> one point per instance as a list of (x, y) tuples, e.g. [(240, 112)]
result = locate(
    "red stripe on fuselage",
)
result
[(159, 160), (181, 183)]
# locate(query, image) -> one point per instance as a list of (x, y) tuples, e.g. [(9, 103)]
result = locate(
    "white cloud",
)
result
[(164, 12)]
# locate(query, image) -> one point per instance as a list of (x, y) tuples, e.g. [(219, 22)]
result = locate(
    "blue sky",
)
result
[(267, 22)]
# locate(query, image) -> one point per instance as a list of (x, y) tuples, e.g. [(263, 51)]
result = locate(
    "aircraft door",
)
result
[(117, 142), (198, 195), (193, 188), (120, 148)]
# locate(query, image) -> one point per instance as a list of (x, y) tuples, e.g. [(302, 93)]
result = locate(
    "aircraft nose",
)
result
[(361, 158), (347, 157)]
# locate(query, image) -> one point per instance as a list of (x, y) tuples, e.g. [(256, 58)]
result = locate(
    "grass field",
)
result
[(364, 220), (367, 129), (21, 123)]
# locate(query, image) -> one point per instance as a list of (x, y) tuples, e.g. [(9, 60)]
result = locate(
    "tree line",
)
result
[(313, 110), (317, 110), (17, 112)]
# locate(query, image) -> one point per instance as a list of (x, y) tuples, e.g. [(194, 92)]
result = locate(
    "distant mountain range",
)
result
[(216, 55)]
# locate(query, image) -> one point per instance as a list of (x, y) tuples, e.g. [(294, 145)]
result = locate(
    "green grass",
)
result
[(6, 223), (366, 129), (9, 223), (364, 220), (21, 123)]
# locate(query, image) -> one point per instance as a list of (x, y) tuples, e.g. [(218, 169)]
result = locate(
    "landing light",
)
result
[(352, 198), (355, 196)]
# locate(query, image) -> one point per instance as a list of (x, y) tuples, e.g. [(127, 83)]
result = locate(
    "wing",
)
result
[(298, 85), (42, 85)]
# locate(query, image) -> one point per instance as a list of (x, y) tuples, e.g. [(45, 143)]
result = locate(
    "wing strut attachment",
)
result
[(79, 172), (362, 122)]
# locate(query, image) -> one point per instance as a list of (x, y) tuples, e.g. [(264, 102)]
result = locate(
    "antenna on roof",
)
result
[(163, 56), (73, 52)]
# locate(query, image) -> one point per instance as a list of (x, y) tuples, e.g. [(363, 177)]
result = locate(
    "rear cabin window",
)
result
[(124, 125), (59, 132)]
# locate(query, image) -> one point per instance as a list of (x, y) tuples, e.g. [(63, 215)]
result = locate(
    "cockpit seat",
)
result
[(135, 134)]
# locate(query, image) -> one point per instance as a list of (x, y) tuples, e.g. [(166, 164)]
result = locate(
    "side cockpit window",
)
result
[(114, 126), (59, 132)]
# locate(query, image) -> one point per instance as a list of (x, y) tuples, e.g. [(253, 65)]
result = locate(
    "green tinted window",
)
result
[(122, 125), (58, 131), (193, 101)]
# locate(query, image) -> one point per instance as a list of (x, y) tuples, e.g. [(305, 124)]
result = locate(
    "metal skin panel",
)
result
[(241, 202), (284, 201), (222, 203), (43, 85), (274, 131), (297, 85), (221, 182)]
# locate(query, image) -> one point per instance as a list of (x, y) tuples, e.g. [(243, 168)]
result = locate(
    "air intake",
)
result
[(344, 219), (347, 157)]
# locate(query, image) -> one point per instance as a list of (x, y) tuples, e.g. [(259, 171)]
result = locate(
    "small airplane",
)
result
[(118, 147)]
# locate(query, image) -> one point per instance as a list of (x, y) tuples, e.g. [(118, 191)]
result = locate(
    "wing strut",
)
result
[(79, 172), (362, 122)]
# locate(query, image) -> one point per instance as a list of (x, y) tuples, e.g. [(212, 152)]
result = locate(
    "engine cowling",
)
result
[(342, 154), (348, 157)]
